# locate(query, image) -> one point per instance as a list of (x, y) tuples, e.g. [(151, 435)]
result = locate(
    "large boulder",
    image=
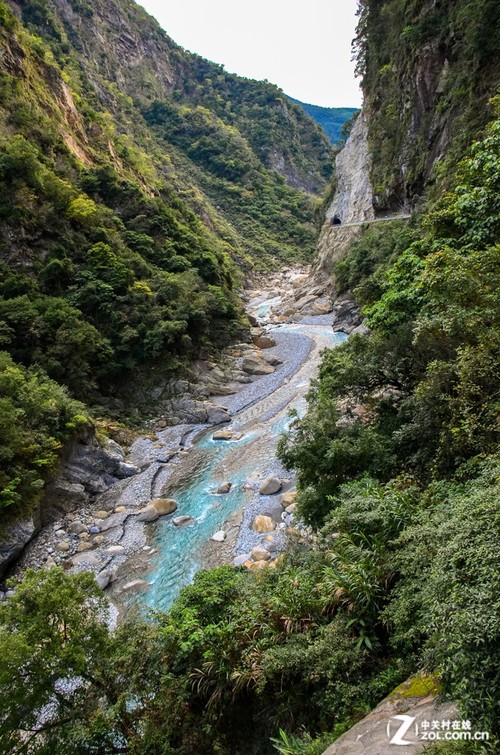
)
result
[(259, 553), (164, 505), (182, 521), (148, 514), (255, 366), (288, 498), (222, 435), (263, 523), (136, 584), (217, 414), (219, 537), (223, 488), (270, 485), (264, 342)]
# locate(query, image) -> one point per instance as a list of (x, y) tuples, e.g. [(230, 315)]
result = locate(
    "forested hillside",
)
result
[(333, 120), (137, 181), (397, 456)]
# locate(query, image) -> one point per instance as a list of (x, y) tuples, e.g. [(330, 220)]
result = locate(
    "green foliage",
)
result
[(36, 418), (458, 45), (449, 594), (236, 649), (415, 405), (120, 238), (62, 673)]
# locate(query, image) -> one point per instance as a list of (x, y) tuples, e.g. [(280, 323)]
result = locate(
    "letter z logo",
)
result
[(397, 739)]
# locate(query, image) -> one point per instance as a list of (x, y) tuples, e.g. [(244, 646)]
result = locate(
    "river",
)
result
[(261, 412)]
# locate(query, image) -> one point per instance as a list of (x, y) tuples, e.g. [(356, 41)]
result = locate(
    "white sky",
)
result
[(303, 47)]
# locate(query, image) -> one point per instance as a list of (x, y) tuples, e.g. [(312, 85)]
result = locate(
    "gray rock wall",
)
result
[(88, 467)]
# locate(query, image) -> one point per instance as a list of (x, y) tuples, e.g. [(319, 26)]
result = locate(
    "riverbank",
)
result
[(145, 555)]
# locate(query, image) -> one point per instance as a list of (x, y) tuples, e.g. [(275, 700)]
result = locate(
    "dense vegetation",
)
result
[(428, 70), (402, 572), (131, 197), (36, 417), (332, 120), (397, 462)]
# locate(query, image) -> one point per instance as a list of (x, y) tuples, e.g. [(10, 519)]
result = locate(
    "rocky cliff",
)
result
[(352, 201), (428, 73), (429, 70)]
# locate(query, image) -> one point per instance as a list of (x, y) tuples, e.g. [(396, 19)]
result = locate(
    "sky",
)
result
[(303, 46)]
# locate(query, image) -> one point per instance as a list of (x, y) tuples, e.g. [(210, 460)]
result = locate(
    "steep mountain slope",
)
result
[(138, 183), (396, 459), (331, 119), (130, 178), (429, 69)]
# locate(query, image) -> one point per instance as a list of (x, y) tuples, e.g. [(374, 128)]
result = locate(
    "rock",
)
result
[(62, 547), (147, 514), (253, 321), (98, 539), (241, 560), (223, 488), (87, 558), (223, 435), (263, 524), (264, 342), (257, 565), (115, 550), (60, 533), (318, 307), (103, 578), (94, 530), (272, 508), (219, 536), (259, 553), (181, 521), (84, 536), (361, 330), (76, 528), (217, 414), (256, 366), (270, 485), (288, 498), (14, 537), (164, 505), (136, 584), (100, 514), (119, 509), (126, 470), (370, 735), (272, 360), (84, 547)]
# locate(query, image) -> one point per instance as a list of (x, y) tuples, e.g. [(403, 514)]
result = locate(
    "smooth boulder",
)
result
[(259, 553), (219, 536), (222, 435), (270, 486), (263, 523), (181, 521)]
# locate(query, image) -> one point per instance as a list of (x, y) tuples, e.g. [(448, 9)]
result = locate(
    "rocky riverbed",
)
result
[(204, 486)]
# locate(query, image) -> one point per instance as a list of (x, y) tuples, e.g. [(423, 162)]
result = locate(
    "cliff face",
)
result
[(428, 71), (353, 198), (352, 201)]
